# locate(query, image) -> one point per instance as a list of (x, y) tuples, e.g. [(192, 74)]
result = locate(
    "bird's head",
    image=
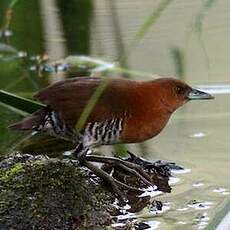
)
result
[(175, 93)]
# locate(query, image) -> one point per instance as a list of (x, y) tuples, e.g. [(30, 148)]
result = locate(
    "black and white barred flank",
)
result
[(106, 132), (95, 133)]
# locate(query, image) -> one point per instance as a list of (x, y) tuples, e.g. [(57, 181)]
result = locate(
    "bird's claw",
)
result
[(133, 165), (163, 167)]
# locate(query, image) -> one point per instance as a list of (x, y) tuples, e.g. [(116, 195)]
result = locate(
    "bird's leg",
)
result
[(130, 167), (81, 154), (112, 181)]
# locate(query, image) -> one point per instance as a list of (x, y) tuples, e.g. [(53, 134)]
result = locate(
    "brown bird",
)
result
[(127, 111)]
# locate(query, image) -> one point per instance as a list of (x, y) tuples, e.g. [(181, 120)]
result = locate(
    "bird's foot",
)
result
[(147, 173), (162, 167), (128, 166), (82, 155), (131, 174), (116, 185)]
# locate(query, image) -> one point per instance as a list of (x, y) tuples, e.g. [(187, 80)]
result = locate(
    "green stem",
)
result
[(91, 104)]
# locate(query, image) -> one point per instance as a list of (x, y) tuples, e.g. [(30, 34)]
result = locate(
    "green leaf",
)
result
[(13, 3), (152, 19), (20, 103)]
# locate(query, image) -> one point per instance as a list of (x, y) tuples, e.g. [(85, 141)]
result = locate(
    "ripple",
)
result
[(199, 205), (173, 180), (202, 220), (181, 222), (222, 191), (153, 224), (150, 191), (219, 190), (126, 216), (165, 208), (198, 184), (182, 209), (198, 135), (181, 171)]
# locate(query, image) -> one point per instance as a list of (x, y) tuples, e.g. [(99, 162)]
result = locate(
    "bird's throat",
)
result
[(166, 106)]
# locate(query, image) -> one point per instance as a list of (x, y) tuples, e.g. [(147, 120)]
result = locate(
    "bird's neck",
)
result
[(154, 112), (147, 116)]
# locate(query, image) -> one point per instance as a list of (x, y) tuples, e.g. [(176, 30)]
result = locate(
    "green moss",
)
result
[(7, 176), (48, 194)]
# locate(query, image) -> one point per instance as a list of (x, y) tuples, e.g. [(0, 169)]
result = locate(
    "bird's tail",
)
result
[(34, 121)]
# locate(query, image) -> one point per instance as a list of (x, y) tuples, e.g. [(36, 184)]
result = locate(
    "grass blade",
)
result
[(91, 104), (218, 220), (20, 103), (152, 19), (149, 22)]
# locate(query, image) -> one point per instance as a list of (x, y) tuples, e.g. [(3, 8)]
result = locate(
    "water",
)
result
[(196, 138), (197, 135)]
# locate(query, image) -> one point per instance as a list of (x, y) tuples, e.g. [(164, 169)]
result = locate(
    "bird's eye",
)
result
[(179, 90)]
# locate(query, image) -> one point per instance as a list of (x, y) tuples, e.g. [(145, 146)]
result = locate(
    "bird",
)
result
[(125, 111)]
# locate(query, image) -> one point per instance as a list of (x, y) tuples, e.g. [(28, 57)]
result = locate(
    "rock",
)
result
[(37, 192)]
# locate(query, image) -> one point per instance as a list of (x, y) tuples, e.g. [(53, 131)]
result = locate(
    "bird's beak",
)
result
[(195, 94)]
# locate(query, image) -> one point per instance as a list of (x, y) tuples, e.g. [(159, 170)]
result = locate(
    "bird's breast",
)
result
[(143, 127)]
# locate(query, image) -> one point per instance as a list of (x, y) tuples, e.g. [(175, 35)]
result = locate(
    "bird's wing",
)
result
[(70, 97)]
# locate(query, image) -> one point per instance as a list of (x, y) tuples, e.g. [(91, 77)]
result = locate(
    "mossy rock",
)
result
[(41, 193)]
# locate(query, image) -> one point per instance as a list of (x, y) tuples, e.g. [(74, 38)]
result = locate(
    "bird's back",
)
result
[(70, 97)]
